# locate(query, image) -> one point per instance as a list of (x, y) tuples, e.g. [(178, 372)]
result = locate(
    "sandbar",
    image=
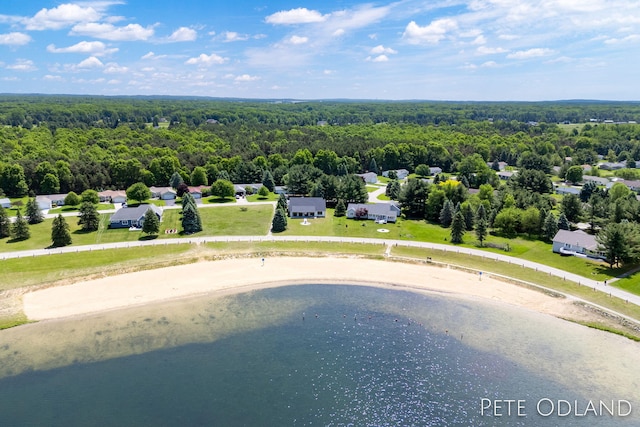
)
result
[(243, 274)]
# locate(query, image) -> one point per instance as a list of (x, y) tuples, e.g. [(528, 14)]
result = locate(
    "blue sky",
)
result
[(486, 50)]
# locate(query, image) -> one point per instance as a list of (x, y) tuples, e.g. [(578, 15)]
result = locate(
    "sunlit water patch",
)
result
[(321, 355)]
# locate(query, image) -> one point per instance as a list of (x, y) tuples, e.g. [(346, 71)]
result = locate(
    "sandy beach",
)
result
[(240, 275)]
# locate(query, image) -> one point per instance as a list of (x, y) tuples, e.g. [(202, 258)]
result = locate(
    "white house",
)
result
[(369, 177), (577, 243), (5, 203), (434, 170), (377, 211), (402, 173)]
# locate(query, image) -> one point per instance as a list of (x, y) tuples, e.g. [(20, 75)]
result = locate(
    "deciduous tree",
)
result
[(139, 192)]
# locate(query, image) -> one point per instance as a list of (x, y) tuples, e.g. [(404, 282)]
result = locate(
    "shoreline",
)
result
[(233, 276)]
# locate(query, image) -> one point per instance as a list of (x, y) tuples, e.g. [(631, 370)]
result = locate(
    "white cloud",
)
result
[(114, 68), (52, 78), (381, 49), (94, 48), (479, 40), (301, 15), (183, 34), (484, 50), (14, 39), (628, 39), (379, 58), (328, 72), (431, 34), (91, 62), (131, 32), (204, 59), (246, 78), (22, 65), (489, 64), (60, 17), (531, 53), (232, 36), (339, 32), (298, 40)]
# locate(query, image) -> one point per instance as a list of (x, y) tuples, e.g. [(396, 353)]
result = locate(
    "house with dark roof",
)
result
[(307, 207), (576, 243), (376, 211), (133, 216)]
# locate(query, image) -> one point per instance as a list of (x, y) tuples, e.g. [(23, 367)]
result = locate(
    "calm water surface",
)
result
[(322, 355)]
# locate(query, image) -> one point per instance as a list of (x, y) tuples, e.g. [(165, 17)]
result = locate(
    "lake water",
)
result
[(314, 355)]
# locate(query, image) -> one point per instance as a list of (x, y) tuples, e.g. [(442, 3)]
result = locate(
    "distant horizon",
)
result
[(299, 100), (404, 50)]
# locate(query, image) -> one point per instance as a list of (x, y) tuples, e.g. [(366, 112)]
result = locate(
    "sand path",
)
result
[(239, 275)]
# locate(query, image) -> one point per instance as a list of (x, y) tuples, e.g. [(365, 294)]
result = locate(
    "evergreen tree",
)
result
[(151, 224), (413, 197), (393, 189), (481, 230), (282, 202), (89, 218), (191, 221), (446, 213), (5, 224), (341, 209), (279, 223), (175, 180), (34, 214), (373, 166), (550, 227), (619, 242), (20, 228), (481, 213), (457, 228), (563, 222), (60, 235), (467, 212), (268, 181)]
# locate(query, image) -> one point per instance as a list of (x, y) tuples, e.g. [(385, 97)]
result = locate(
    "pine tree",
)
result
[(60, 235), (341, 209), (467, 212), (20, 228), (446, 213), (481, 224), (279, 223), (175, 180), (457, 228), (34, 214), (282, 202), (550, 227), (563, 222), (151, 224), (268, 181), (5, 224), (89, 218), (393, 189), (373, 166), (191, 221)]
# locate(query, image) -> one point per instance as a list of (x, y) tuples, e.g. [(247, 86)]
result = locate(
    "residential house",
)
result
[(303, 207), (402, 173), (163, 193), (280, 189), (196, 192), (567, 189), (612, 166), (368, 177), (598, 180), (113, 196), (577, 243), (376, 211), (505, 175), (631, 185), (48, 201), (5, 203), (133, 216)]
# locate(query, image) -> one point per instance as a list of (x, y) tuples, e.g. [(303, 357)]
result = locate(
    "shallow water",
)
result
[(324, 355)]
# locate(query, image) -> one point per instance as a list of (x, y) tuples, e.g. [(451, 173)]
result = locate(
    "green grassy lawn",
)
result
[(383, 197), (227, 220), (272, 197), (218, 200), (372, 188), (63, 209)]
